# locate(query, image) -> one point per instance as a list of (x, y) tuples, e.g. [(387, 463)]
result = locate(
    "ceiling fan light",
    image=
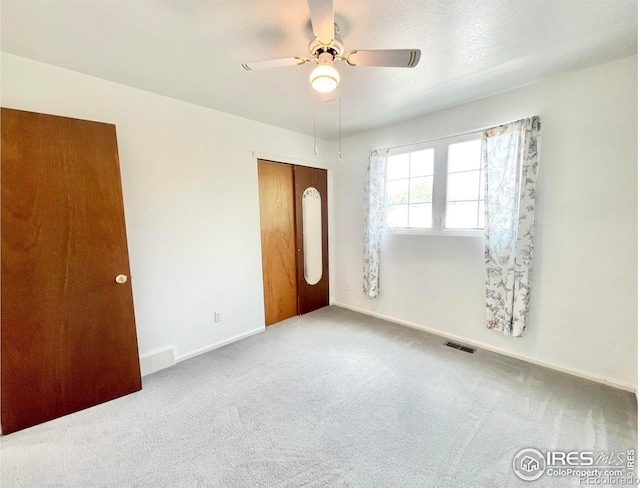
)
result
[(324, 78)]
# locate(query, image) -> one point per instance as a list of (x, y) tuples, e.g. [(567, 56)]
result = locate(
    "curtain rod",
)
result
[(459, 134)]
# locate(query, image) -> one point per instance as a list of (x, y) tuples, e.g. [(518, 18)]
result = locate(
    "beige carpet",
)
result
[(330, 399)]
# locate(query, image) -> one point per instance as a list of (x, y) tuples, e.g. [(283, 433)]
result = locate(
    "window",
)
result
[(410, 190), (465, 186), (436, 188)]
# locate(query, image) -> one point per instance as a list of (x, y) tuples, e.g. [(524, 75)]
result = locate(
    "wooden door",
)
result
[(277, 221), (68, 331), (311, 296)]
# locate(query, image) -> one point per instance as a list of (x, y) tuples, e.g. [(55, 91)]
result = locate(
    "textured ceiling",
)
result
[(193, 50)]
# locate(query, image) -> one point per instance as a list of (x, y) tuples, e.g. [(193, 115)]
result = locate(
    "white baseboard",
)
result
[(480, 345), (211, 347)]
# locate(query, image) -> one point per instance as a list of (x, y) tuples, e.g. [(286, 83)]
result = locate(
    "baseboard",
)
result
[(481, 345), (211, 347)]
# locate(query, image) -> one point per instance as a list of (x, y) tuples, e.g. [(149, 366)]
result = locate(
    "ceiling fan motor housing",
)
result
[(335, 47)]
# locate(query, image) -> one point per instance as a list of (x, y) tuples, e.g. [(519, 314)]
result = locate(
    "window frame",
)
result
[(439, 196)]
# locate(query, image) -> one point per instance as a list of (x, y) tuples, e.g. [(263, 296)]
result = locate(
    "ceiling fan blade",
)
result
[(274, 63), (322, 23), (391, 58)]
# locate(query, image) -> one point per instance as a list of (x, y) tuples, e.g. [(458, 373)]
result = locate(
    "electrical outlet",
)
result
[(217, 317), (348, 285)]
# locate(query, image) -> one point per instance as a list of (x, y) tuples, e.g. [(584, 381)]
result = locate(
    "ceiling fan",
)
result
[(326, 46)]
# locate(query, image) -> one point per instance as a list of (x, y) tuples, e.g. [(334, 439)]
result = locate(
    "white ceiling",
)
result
[(193, 50)]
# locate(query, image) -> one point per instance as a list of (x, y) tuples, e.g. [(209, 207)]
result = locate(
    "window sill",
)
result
[(438, 232)]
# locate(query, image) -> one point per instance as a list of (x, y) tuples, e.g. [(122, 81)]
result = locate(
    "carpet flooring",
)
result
[(330, 399)]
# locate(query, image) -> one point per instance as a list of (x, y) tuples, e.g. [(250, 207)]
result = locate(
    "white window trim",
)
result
[(439, 197)]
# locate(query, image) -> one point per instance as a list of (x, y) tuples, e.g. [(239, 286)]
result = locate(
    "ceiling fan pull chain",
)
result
[(339, 125), (313, 108)]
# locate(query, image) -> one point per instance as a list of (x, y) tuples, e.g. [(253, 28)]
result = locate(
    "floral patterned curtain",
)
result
[(510, 160), (374, 212)]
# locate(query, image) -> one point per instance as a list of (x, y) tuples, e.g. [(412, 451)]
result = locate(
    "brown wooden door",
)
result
[(277, 221), (311, 297), (68, 331)]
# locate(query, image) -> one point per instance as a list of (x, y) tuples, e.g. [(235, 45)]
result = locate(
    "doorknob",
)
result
[(121, 279)]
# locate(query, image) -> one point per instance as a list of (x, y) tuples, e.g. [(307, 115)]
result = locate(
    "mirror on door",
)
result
[(312, 231)]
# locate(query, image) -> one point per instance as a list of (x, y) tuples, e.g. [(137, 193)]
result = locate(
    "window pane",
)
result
[(398, 167), (420, 216), (481, 218), (397, 215), (464, 156), (482, 185), (422, 163), (463, 186), (462, 215), (397, 192), (421, 189)]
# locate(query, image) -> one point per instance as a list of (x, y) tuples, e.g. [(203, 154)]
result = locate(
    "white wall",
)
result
[(190, 190), (584, 299), (191, 203)]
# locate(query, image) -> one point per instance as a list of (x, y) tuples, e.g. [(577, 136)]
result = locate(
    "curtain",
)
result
[(510, 161), (374, 212)]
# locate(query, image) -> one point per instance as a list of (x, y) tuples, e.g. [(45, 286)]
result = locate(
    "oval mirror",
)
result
[(312, 235)]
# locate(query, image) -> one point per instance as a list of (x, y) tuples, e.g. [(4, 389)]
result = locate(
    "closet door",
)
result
[(68, 331), (277, 231), (312, 240)]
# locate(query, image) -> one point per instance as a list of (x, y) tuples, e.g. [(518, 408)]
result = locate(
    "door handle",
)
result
[(120, 279)]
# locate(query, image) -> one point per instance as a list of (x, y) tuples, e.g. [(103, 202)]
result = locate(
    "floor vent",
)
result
[(157, 361), (460, 347)]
